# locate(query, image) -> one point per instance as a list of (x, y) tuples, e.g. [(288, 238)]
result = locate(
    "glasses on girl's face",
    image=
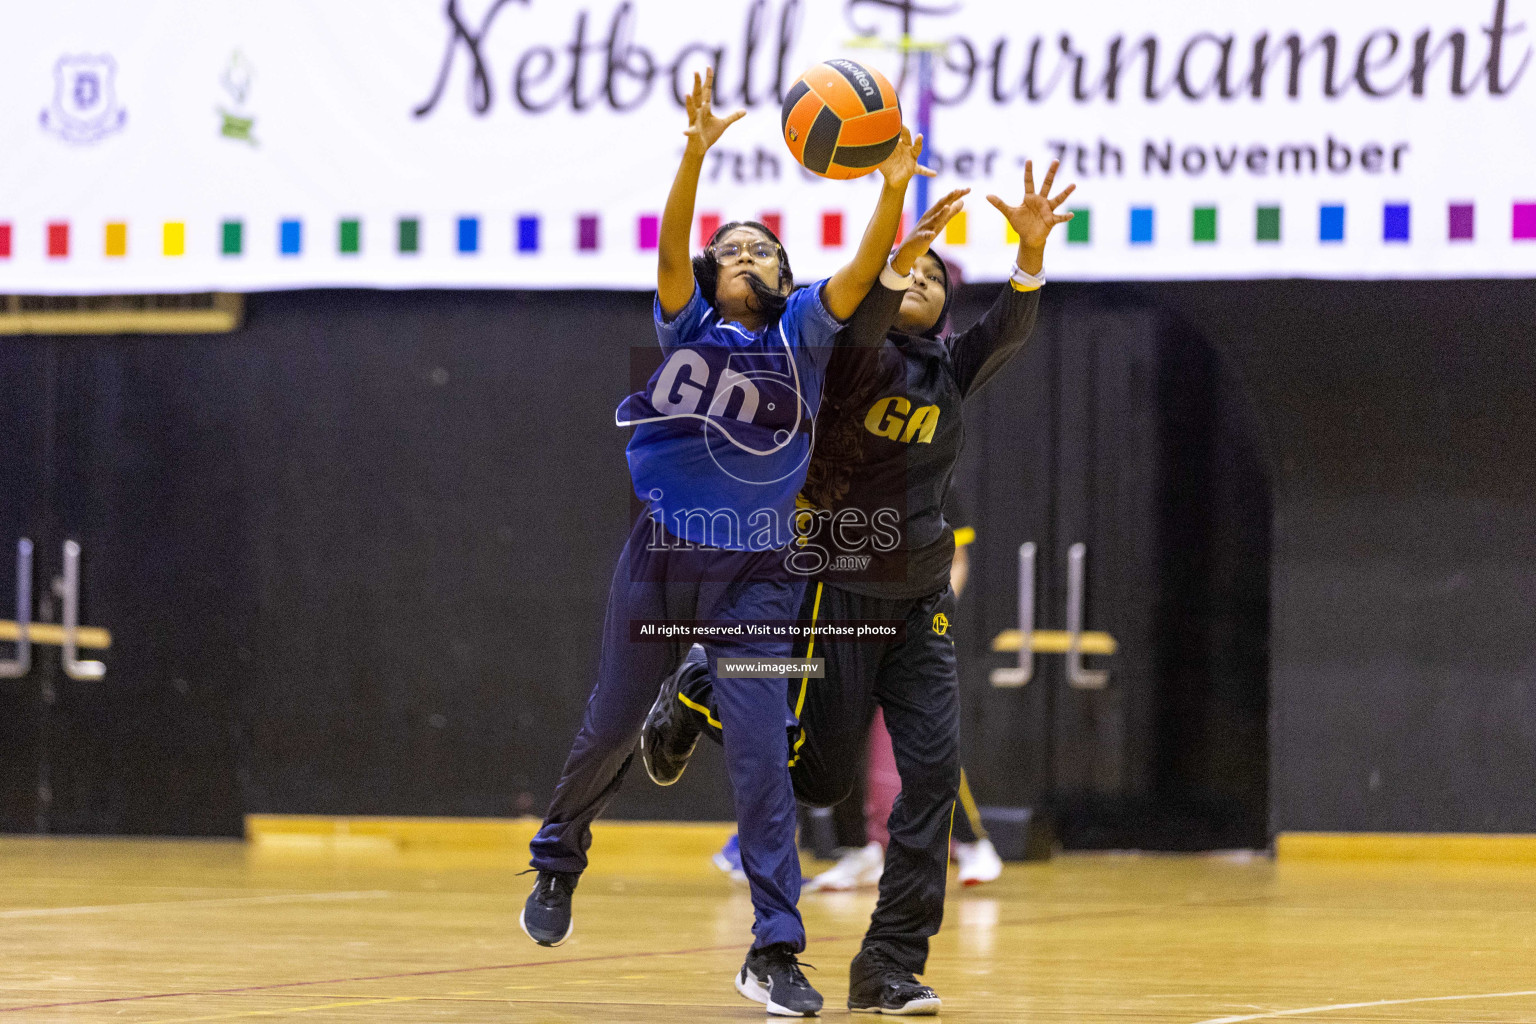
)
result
[(760, 251)]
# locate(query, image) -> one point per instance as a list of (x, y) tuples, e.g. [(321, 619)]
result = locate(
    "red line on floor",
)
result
[(386, 977), (1113, 912)]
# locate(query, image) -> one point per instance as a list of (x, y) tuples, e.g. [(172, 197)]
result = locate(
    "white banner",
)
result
[(236, 144)]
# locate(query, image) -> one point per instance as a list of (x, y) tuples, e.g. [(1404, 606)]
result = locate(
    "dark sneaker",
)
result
[(772, 976), (878, 984), (671, 729), (546, 917)]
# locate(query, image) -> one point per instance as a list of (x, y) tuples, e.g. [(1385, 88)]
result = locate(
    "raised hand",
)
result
[(1036, 215), (927, 228), (704, 127), (901, 166)]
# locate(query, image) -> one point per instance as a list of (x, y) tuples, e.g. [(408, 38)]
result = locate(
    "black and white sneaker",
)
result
[(546, 917), (772, 976), (671, 729), (878, 984)]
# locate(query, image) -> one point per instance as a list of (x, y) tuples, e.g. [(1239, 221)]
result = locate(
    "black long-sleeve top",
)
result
[(889, 434)]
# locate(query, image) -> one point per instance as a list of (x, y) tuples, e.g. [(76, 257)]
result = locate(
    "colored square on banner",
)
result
[(117, 239), (709, 223), (650, 231), (1142, 225), (5, 241), (232, 237), (290, 237), (469, 234), (1266, 226), (1080, 227), (1330, 224), (349, 236), (58, 239), (1524, 222), (408, 235), (527, 234), (173, 238), (954, 231), (1394, 222), (1461, 222), (773, 222), (831, 230), (1009, 235), (586, 233), (1205, 224)]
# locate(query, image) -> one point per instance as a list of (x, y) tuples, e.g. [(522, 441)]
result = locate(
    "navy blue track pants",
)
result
[(657, 578)]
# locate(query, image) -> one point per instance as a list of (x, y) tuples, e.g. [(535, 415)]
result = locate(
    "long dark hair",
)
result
[(706, 271)]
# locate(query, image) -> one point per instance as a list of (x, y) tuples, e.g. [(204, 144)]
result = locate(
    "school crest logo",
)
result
[(941, 623), (84, 108)]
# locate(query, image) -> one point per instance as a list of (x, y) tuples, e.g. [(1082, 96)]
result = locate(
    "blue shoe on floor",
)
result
[(729, 859)]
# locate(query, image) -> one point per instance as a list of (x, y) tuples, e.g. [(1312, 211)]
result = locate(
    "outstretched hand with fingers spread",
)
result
[(704, 127), (1036, 215), (901, 166), (927, 228)]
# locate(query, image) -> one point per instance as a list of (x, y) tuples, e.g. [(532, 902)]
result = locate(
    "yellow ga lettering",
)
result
[(888, 418)]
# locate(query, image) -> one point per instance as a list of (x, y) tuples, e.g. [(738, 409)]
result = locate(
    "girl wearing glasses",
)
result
[(723, 437)]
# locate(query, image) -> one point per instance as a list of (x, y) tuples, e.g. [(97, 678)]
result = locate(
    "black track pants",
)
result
[(914, 681)]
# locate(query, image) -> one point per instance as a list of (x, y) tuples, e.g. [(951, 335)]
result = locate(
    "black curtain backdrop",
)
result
[(354, 558), (1402, 431)]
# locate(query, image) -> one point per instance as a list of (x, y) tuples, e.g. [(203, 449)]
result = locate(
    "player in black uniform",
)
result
[(854, 819), (890, 432)]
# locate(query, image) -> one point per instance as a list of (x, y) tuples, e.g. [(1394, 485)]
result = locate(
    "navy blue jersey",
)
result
[(724, 428)]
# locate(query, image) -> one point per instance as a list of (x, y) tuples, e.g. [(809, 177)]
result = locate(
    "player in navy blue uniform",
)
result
[(888, 439), (722, 441)]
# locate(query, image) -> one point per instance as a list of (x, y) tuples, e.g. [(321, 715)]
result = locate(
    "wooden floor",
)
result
[(137, 931)]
